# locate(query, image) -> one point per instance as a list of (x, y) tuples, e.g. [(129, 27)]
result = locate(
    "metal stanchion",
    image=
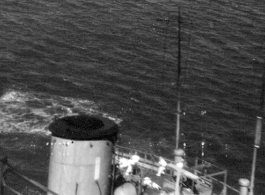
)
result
[(244, 184), (3, 161)]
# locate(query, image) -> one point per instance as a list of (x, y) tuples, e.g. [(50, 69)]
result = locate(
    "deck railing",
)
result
[(150, 162), (147, 161), (6, 168)]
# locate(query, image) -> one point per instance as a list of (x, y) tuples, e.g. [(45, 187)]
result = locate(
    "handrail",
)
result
[(155, 164), (35, 183), (216, 180), (142, 152), (4, 162), (10, 188), (205, 162), (152, 165)]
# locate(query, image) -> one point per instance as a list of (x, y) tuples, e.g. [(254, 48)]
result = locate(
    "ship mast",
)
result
[(258, 134), (178, 84)]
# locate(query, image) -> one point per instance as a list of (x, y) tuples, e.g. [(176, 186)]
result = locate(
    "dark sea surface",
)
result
[(118, 59)]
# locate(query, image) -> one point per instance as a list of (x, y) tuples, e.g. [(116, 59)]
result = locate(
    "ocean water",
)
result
[(118, 59)]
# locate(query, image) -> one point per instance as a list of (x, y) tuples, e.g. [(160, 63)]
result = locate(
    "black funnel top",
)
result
[(84, 127)]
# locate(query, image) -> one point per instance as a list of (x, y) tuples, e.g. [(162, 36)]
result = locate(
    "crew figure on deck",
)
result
[(162, 166), (131, 163)]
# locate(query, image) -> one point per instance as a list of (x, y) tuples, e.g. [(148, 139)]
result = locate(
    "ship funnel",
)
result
[(81, 155)]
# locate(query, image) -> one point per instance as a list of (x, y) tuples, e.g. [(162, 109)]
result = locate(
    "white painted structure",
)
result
[(80, 167)]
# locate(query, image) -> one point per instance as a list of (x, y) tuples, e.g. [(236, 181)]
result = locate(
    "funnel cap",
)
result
[(84, 127)]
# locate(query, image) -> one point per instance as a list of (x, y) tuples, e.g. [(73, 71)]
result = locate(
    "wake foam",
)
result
[(32, 112), (12, 96)]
